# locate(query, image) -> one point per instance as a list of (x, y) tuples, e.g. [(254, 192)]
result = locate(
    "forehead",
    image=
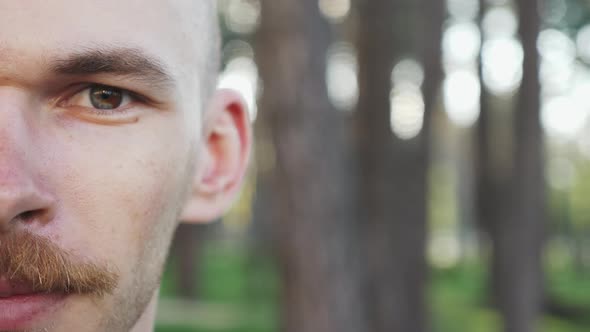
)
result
[(166, 29)]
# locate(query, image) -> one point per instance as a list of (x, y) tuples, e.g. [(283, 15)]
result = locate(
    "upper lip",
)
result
[(9, 288)]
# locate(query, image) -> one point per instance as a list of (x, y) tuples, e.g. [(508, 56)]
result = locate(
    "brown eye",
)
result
[(106, 98)]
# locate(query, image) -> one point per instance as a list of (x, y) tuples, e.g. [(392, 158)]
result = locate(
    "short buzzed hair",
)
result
[(200, 18), (212, 60)]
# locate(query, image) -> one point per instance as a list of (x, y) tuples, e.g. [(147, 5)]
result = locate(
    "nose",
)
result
[(22, 203), (23, 198)]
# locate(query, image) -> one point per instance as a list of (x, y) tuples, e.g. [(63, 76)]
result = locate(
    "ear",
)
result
[(223, 161)]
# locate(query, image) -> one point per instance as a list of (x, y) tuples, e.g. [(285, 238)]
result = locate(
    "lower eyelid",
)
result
[(105, 118)]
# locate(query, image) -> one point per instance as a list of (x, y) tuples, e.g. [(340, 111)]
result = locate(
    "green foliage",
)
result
[(568, 286), (238, 293), (239, 290), (458, 300)]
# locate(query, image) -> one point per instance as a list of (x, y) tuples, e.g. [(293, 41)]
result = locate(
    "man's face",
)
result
[(101, 140)]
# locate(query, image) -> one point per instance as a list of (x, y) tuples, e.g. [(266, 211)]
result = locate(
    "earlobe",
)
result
[(225, 152)]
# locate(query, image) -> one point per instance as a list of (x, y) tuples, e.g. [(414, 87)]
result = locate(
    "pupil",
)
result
[(106, 97)]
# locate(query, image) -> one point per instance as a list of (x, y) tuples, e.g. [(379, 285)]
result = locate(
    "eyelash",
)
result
[(129, 98)]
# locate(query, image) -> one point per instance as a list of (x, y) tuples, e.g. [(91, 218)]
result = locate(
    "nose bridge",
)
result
[(13, 165), (14, 140), (19, 190)]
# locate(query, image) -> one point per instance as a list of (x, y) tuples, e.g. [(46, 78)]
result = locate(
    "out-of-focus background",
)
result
[(420, 165)]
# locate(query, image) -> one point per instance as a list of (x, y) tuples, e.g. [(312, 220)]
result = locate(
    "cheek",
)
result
[(117, 187)]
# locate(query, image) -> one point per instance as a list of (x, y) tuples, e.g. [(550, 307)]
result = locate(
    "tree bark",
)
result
[(316, 233), (485, 174), (520, 236), (185, 248), (393, 172)]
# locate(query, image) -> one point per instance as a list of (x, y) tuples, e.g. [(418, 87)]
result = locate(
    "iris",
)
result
[(106, 98)]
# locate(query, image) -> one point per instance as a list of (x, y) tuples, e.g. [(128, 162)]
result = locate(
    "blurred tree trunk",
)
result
[(492, 183), (491, 204), (519, 236), (313, 189), (185, 250), (486, 201), (393, 172), (264, 204)]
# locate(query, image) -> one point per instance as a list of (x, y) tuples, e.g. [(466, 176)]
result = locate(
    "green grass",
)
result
[(458, 301), (570, 287), (239, 293)]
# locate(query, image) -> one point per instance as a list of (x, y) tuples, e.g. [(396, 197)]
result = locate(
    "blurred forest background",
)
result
[(420, 165)]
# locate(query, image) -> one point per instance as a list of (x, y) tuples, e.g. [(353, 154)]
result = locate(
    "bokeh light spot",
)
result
[(462, 92), (342, 76)]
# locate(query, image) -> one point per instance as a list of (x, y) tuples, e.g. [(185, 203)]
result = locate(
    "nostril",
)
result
[(28, 219), (28, 216)]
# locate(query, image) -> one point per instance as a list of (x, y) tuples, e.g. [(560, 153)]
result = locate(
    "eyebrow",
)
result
[(129, 62)]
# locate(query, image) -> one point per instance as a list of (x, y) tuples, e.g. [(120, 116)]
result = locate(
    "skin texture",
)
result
[(109, 188)]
